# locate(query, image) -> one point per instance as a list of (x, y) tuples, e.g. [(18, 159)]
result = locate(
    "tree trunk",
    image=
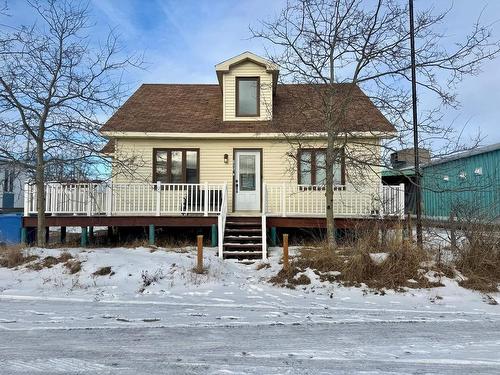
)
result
[(330, 218), (40, 194)]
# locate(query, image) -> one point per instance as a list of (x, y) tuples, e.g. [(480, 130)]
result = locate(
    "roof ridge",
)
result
[(179, 84)]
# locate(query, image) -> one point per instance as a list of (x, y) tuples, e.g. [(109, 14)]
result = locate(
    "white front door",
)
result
[(247, 180)]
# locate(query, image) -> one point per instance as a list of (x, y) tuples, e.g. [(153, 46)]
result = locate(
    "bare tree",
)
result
[(55, 86), (367, 44)]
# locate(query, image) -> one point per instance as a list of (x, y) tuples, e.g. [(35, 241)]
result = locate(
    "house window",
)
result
[(462, 175), (176, 165), (247, 96), (478, 171), (312, 167), (8, 181)]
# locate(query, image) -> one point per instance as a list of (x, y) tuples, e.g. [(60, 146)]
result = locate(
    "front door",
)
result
[(247, 180)]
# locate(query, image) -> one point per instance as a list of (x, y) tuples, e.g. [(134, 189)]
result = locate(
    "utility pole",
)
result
[(418, 190)]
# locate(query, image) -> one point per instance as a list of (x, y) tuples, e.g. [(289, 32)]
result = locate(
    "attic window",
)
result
[(247, 97)]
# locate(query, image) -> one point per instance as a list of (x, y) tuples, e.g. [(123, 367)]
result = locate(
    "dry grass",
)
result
[(479, 261), (51, 261), (73, 266), (14, 256), (262, 266), (405, 265), (290, 278), (103, 271)]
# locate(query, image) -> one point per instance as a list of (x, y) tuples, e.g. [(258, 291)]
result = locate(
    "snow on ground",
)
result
[(227, 282), (230, 320)]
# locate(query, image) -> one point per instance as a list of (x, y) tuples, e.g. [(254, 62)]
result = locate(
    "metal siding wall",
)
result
[(481, 193)]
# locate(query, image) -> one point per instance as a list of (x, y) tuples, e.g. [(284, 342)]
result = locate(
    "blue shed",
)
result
[(466, 184), (10, 229)]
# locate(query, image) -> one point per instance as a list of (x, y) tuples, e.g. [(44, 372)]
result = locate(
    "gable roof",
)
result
[(226, 65), (197, 108)]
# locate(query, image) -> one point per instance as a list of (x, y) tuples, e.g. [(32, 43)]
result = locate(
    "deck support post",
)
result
[(274, 236), (110, 235), (84, 238), (63, 235), (213, 236), (91, 234), (47, 235), (151, 235), (24, 236)]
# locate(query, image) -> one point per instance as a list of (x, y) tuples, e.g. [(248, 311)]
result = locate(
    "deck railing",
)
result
[(348, 200), (156, 199), (127, 199), (221, 222)]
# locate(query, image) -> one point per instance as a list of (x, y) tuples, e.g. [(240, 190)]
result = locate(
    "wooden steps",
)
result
[(243, 238)]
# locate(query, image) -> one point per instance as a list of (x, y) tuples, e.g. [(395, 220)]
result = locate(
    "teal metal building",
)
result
[(465, 185)]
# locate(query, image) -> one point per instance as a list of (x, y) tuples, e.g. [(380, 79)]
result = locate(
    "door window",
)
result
[(247, 172)]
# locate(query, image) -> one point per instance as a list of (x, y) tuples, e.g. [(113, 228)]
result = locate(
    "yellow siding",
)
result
[(278, 165), (247, 69)]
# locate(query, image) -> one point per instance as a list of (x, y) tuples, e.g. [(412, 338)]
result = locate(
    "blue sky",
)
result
[(182, 40)]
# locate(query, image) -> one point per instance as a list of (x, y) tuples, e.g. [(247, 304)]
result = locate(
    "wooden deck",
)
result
[(190, 221), (122, 221)]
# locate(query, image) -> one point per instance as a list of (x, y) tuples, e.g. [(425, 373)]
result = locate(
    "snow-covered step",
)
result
[(243, 238), (242, 224), (243, 230), (243, 254)]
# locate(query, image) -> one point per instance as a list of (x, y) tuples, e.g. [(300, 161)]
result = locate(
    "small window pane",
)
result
[(337, 173), (176, 167), (247, 172), (247, 97), (191, 167), (320, 168), (161, 166), (305, 168)]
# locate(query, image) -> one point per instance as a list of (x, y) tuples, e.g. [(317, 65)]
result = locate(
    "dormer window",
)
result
[(247, 97)]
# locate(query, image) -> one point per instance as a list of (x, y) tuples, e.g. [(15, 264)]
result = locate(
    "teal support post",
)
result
[(91, 234), (24, 236), (214, 235), (151, 234), (63, 235), (84, 239), (274, 236)]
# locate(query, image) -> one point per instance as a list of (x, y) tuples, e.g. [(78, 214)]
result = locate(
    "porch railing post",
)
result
[(109, 199), (26, 199), (381, 200), (283, 200), (401, 200), (89, 208), (158, 197), (207, 197), (264, 221)]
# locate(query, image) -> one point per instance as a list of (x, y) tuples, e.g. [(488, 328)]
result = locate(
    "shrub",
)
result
[(103, 271), (73, 266), (352, 264), (148, 278), (479, 261)]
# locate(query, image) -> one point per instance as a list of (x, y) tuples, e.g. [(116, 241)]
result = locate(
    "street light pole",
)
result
[(418, 190)]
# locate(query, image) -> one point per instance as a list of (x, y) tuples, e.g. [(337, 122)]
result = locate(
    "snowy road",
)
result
[(41, 336)]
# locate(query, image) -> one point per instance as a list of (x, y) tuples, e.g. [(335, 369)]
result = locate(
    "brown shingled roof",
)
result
[(196, 108), (109, 148)]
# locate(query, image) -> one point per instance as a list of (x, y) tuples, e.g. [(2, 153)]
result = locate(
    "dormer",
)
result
[(248, 84)]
